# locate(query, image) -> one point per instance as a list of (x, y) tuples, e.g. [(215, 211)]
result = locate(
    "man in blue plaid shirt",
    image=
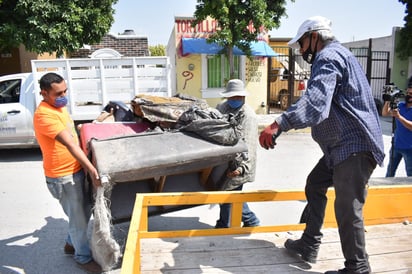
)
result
[(339, 107)]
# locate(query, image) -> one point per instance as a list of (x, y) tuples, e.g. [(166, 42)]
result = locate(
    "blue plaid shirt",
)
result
[(339, 106)]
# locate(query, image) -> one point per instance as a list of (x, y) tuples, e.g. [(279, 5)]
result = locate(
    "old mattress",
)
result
[(106, 130), (148, 155), (133, 162)]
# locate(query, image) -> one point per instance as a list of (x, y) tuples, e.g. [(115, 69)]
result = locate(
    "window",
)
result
[(215, 73), (10, 91), (218, 70)]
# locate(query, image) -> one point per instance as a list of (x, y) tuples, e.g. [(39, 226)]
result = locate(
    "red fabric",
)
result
[(108, 130)]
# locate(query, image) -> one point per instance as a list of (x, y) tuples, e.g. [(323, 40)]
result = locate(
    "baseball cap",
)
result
[(310, 24), (410, 82)]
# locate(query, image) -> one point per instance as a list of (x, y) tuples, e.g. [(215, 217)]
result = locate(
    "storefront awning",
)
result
[(201, 46)]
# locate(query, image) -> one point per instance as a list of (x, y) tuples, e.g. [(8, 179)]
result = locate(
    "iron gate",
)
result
[(376, 66), (288, 74)]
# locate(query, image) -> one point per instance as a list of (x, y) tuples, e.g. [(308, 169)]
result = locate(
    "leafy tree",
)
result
[(234, 18), (158, 50), (404, 47), (54, 25)]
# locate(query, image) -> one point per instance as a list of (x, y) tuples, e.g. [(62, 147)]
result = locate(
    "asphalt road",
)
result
[(33, 225)]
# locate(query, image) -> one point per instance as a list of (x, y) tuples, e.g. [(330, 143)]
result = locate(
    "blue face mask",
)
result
[(235, 103), (60, 102)]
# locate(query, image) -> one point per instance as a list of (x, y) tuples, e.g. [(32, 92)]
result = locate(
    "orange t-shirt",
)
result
[(48, 123)]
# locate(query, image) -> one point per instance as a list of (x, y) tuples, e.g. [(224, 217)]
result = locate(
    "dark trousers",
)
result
[(350, 179)]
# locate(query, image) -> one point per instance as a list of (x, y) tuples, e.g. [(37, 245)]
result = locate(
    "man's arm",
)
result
[(66, 139), (405, 122), (386, 111)]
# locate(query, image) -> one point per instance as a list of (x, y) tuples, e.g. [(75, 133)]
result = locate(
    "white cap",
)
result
[(310, 24)]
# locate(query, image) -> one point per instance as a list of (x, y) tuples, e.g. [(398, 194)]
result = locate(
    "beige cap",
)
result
[(235, 87)]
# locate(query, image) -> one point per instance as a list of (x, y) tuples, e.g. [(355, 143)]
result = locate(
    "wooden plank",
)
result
[(385, 204), (159, 183), (236, 215), (389, 248), (131, 258), (213, 197), (204, 176), (223, 231)]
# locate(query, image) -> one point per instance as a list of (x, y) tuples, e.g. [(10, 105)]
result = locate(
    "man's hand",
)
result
[(268, 135), (395, 113), (233, 173), (95, 177)]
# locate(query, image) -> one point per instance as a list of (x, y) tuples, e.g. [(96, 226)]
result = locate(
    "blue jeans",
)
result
[(350, 179), (248, 217), (73, 194), (395, 157)]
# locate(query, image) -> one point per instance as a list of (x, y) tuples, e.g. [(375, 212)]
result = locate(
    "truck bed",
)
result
[(389, 247), (180, 248)]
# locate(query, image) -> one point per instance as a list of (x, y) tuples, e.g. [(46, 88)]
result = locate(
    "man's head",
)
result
[(311, 36), (235, 93), (53, 89), (408, 96)]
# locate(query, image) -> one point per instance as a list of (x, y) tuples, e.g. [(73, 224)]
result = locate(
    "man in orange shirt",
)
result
[(65, 164)]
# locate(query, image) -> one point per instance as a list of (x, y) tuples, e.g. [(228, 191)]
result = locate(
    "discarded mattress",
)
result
[(148, 155), (105, 130), (129, 162)]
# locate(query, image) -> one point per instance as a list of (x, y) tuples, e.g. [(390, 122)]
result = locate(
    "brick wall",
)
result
[(127, 44)]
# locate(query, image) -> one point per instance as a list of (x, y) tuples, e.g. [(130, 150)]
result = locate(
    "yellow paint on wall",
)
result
[(189, 68), (256, 83), (189, 80)]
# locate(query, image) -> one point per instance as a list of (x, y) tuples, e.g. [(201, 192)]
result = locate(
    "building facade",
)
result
[(202, 71)]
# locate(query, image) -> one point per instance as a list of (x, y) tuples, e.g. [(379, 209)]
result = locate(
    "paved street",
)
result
[(33, 226)]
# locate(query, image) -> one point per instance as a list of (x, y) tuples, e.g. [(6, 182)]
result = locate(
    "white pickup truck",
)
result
[(91, 83)]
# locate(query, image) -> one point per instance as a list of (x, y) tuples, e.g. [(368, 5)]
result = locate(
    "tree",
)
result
[(158, 50), (240, 21), (54, 25), (404, 47)]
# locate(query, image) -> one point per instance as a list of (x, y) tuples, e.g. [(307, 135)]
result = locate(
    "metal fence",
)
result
[(288, 74), (376, 66)]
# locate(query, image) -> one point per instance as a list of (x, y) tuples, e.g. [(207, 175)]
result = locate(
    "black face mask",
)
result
[(309, 55)]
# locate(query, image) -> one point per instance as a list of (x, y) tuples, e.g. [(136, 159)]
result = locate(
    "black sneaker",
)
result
[(251, 224), (340, 271), (343, 271), (307, 253)]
